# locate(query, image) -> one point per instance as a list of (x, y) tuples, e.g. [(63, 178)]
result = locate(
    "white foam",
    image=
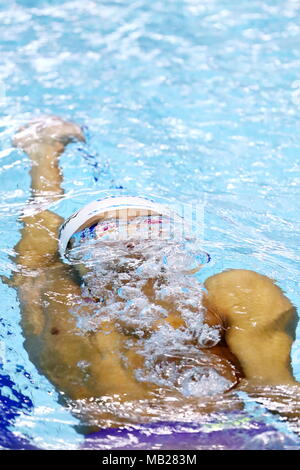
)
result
[(118, 280)]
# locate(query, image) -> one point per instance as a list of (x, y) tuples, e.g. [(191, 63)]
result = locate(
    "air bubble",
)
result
[(142, 283)]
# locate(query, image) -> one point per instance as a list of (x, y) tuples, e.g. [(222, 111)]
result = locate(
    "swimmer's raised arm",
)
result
[(260, 322), (45, 285), (43, 141)]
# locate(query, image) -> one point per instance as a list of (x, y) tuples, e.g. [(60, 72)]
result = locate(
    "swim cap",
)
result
[(92, 213)]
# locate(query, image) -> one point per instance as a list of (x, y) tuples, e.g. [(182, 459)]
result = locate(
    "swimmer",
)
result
[(97, 327)]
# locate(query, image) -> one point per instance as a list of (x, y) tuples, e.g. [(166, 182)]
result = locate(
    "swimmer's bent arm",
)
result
[(260, 324), (43, 140)]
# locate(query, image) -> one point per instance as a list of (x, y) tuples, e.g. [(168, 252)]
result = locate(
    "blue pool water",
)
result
[(186, 99)]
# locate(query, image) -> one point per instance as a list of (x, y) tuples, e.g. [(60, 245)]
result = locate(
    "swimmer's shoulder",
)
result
[(241, 293)]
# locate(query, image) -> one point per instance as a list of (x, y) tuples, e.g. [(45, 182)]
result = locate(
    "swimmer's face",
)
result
[(119, 239), (126, 240), (127, 258)]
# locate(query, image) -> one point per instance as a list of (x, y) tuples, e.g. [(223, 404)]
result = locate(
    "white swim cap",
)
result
[(92, 213)]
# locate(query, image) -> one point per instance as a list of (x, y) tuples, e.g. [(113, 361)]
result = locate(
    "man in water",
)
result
[(102, 329)]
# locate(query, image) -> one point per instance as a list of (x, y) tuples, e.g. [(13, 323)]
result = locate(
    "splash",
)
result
[(141, 288)]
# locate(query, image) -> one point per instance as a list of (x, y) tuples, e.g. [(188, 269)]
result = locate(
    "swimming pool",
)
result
[(183, 99)]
